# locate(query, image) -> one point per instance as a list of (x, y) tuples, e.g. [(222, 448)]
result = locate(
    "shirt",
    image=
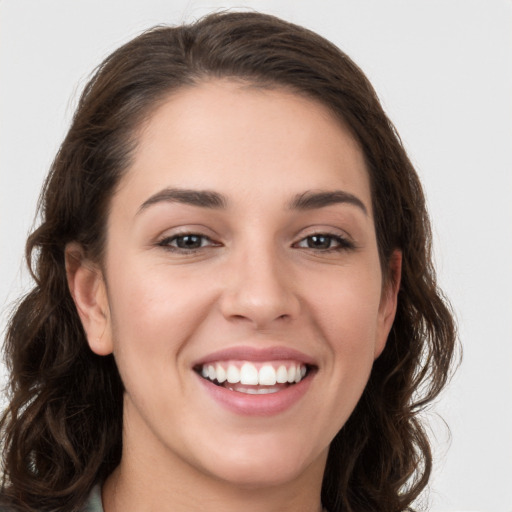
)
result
[(93, 503)]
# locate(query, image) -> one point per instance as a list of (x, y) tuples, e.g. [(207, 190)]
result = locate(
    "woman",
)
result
[(235, 305)]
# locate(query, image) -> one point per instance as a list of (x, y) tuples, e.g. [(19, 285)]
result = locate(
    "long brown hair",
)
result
[(62, 427)]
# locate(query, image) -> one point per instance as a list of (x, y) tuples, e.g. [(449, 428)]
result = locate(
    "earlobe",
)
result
[(388, 301), (87, 287)]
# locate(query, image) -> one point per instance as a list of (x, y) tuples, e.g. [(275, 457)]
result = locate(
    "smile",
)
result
[(254, 381), (254, 378)]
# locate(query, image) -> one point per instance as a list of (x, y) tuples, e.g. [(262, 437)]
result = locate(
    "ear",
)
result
[(388, 301), (87, 287)]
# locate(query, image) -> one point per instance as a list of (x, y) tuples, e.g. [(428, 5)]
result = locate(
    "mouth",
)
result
[(251, 381), (254, 378)]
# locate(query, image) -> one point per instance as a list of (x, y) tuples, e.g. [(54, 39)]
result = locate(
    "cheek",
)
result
[(347, 314), (152, 319), (347, 300), (153, 310)]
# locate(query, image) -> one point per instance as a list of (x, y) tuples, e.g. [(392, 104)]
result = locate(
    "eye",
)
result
[(324, 242), (186, 242)]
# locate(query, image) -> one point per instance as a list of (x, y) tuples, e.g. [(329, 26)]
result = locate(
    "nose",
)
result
[(260, 289)]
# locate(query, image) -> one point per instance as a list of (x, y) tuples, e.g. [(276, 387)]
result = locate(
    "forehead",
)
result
[(247, 142)]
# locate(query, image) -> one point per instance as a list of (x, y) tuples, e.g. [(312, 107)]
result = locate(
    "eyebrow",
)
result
[(311, 200), (202, 198), (308, 200)]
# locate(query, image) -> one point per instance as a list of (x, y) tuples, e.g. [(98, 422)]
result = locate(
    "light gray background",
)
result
[(443, 71)]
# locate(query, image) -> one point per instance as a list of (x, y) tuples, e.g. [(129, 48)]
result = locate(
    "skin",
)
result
[(254, 282)]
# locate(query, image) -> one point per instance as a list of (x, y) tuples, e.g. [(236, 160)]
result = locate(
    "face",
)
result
[(241, 291)]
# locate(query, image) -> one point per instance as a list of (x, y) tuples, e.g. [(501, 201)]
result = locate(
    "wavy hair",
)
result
[(62, 427)]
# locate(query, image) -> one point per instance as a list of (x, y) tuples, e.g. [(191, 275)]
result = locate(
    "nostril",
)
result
[(240, 317), (260, 305)]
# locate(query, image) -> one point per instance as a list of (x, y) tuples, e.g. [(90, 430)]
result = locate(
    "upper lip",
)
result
[(256, 354)]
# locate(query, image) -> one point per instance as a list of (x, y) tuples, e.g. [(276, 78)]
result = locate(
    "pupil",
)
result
[(319, 242), (188, 242)]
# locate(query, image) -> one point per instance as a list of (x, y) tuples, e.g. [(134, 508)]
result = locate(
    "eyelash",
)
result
[(341, 243), (167, 241)]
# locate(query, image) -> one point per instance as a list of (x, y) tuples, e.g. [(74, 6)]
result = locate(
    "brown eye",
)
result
[(189, 241), (319, 241), (186, 242), (324, 242)]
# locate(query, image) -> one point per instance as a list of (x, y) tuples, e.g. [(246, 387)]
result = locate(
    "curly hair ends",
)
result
[(62, 428)]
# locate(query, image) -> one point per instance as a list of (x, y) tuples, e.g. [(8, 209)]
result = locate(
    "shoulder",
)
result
[(93, 503)]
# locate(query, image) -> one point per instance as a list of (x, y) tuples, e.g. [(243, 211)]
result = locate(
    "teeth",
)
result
[(291, 374), (249, 375), (257, 391), (221, 373), (233, 374), (282, 374), (267, 375)]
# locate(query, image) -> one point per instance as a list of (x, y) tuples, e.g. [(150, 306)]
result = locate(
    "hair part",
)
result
[(62, 428)]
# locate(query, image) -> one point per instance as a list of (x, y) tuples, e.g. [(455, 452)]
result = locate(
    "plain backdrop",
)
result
[(443, 69)]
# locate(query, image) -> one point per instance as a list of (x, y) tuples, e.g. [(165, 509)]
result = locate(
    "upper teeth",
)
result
[(248, 374)]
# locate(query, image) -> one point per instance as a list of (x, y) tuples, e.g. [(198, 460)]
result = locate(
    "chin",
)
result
[(264, 467), (256, 476)]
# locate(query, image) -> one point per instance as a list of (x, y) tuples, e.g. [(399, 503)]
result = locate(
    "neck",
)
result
[(143, 485), (120, 493), (153, 476)]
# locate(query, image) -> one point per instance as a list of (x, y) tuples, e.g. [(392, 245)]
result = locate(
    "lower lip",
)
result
[(257, 405)]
